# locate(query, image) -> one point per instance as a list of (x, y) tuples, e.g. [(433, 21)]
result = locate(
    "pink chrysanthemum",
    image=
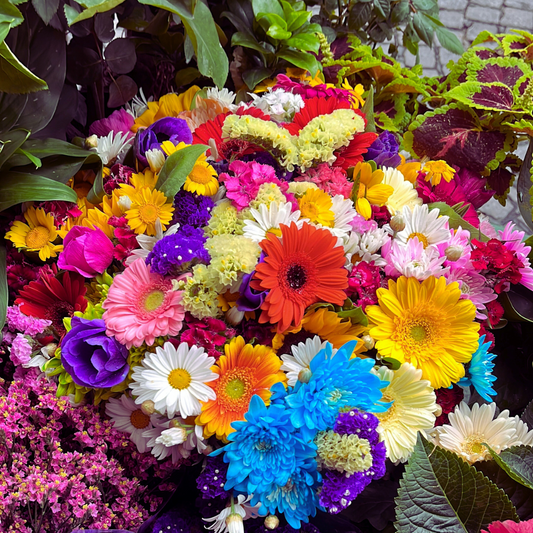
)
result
[(457, 247), (141, 306), (512, 240)]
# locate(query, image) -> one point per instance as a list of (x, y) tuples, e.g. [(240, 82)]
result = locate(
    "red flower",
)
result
[(448, 399), (496, 311)]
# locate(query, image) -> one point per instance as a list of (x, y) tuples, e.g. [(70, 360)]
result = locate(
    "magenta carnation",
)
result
[(119, 121)]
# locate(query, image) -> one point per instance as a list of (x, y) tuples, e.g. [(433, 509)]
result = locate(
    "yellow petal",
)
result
[(363, 208), (379, 194)]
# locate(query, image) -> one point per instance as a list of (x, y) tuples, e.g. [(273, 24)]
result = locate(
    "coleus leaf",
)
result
[(491, 96), (441, 492), (390, 112), (456, 135), (506, 70), (523, 188)]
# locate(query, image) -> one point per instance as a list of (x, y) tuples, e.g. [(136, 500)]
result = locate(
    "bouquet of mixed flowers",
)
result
[(269, 289)]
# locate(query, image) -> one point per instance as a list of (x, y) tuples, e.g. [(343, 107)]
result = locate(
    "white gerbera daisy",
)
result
[(175, 379), (469, 429), (364, 247), (128, 417), (413, 410), (404, 191), (240, 508), (302, 355), (113, 146), (267, 220), (428, 226)]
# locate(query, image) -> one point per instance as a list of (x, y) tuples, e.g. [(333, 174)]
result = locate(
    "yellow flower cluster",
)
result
[(267, 193), (199, 295), (225, 219), (344, 453)]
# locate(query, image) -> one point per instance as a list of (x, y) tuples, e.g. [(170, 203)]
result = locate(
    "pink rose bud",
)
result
[(87, 251)]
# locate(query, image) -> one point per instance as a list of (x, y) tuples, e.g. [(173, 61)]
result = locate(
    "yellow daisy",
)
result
[(371, 189), (438, 170), (316, 205), (147, 206), (38, 235), (425, 324)]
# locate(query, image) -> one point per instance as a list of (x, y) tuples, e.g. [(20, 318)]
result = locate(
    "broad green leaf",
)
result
[(449, 40), (15, 78), (92, 9), (425, 5), (304, 42), (301, 60), (49, 147), (517, 461), (440, 492), (278, 33), (368, 110), (273, 19), (46, 9), (382, 8), (186, 76), (267, 6), (34, 160), (359, 15), (423, 28), (392, 363), (248, 41), (18, 187), (10, 14), (177, 167), (10, 142), (256, 75), (97, 193), (400, 12), (455, 220), (4, 294), (297, 19)]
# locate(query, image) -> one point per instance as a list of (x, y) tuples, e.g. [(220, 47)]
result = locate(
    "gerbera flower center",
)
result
[(296, 277), (57, 312), (149, 213), (153, 300), (418, 333), (274, 231), (473, 446), (235, 389), (139, 420), (179, 378), (38, 237), (201, 174), (421, 238), (390, 413)]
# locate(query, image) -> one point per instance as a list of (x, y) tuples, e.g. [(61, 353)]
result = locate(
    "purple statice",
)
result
[(364, 425), (213, 478), (171, 522), (192, 209), (384, 150), (174, 254), (306, 527)]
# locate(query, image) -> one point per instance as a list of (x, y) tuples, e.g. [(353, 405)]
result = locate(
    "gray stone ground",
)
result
[(467, 18)]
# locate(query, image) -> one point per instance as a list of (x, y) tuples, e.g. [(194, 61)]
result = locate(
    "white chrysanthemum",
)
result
[(428, 226), (415, 261), (413, 410), (224, 96), (469, 429), (267, 220), (404, 191), (364, 247), (302, 355), (147, 242), (128, 417), (344, 212), (240, 508), (138, 105), (156, 159), (279, 104), (113, 146), (175, 379)]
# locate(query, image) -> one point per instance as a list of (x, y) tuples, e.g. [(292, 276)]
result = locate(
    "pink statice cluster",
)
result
[(65, 467)]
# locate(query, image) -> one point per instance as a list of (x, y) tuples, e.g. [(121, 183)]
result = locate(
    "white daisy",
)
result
[(302, 355), (113, 146), (469, 429), (175, 379), (147, 243), (404, 191), (224, 96), (267, 220), (428, 226), (413, 410), (240, 507), (364, 247), (128, 417)]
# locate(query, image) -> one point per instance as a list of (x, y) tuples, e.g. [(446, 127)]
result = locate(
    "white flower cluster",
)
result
[(279, 104)]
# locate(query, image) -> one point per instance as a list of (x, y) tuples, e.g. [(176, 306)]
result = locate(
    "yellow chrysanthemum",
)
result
[(438, 170), (425, 324), (147, 206), (356, 93), (170, 105), (38, 235), (371, 189), (316, 205)]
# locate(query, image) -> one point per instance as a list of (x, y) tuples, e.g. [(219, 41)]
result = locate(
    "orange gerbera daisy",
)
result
[(243, 371), (304, 267)]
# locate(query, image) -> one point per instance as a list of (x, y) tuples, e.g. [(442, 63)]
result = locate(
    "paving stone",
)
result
[(477, 28), (453, 4), (427, 57), (517, 18), (452, 19), (445, 56), (519, 4), (487, 3), (483, 14)]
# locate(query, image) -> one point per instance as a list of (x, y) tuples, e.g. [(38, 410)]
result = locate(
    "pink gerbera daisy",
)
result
[(512, 240), (141, 306)]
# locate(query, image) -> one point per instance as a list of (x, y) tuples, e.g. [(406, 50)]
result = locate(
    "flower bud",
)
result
[(234, 316), (305, 375), (438, 410), (453, 253), (148, 407), (91, 142), (50, 349), (368, 341), (271, 521), (235, 523), (397, 223)]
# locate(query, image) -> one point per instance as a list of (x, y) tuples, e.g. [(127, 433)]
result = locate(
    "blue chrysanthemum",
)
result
[(336, 382), (479, 371), (265, 449)]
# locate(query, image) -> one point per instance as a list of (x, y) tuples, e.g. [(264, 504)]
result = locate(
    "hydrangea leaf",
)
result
[(517, 462), (456, 135), (441, 492)]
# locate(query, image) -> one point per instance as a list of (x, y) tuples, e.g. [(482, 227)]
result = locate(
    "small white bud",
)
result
[(305, 375), (438, 410), (235, 523), (271, 521), (234, 316), (148, 407), (368, 341), (91, 142), (397, 223), (453, 253)]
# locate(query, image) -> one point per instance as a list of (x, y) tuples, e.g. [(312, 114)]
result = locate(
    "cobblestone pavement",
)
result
[(467, 18)]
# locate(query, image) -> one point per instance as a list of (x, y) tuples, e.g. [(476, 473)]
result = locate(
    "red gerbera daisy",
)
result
[(305, 266), (54, 299), (353, 153)]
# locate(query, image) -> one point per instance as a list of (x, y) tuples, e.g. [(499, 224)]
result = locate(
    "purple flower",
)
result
[(171, 522), (213, 478), (170, 129), (87, 251), (192, 209), (119, 121), (91, 357), (384, 150), (250, 299)]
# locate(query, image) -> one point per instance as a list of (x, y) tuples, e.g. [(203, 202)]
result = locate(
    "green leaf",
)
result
[(425, 5), (273, 19), (301, 60), (93, 8), (518, 303), (241, 39), (517, 462), (10, 14), (4, 294), (186, 76), (177, 167), (15, 78), (440, 492), (297, 19), (267, 6), (277, 32), (449, 40), (400, 12), (359, 15), (46, 9), (423, 28), (368, 110), (35, 160), (10, 142), (455, 220), (256, 75), (382, 8), (391, 363), (304, 42), (18, 187)]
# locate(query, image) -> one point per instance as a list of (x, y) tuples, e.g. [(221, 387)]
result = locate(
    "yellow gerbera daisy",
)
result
[(438, 170), (38, 235), (425, 324), (371, 189), (147, 206), (203, 178), (316, 205)]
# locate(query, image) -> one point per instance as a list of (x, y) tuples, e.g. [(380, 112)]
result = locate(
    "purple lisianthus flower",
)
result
[(384, 150), (170, 129), (250, 299), (91, 357)]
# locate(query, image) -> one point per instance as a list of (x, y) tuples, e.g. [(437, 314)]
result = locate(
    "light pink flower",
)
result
[(459, 239), (512, 240), (21, 350)]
